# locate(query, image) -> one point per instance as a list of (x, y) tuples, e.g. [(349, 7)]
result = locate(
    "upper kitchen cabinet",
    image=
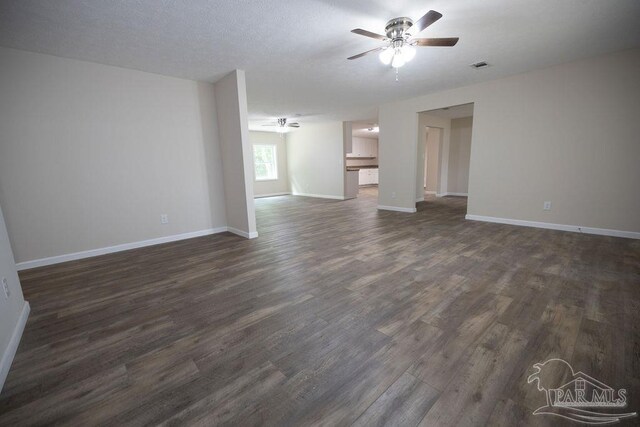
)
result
[(364, 148), (372, 148)]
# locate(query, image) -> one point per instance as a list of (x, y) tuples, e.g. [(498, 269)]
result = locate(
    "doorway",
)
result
[(361, 157), (433, 141), (444, 152)]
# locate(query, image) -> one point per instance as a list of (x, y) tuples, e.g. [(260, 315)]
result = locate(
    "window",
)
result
[(264, 162)]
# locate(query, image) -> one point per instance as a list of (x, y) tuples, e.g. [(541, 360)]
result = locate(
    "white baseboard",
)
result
[(319, 196), (259, 196), (251, 235), (562, 227), (397, 209), (124, 247), (419, 199), (10, 352)]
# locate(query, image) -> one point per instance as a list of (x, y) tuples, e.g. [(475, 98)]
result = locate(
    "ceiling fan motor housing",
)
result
[(397, 27)]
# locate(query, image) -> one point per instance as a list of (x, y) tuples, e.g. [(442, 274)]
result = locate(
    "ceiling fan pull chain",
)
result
[(397, 72)]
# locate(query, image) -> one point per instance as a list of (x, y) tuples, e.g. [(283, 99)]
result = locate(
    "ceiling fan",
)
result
[(399, 47), (281, 125)]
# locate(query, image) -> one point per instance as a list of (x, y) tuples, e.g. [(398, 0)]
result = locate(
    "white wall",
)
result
[(91, 155), (459, 155), (567, 134), (13, 311), (280, 185), (237, 155), (315, 156)]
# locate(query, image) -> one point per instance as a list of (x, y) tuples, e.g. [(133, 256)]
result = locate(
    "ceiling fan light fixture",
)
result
[(386, 56), (398, 60), (408, 52), (398, 54)]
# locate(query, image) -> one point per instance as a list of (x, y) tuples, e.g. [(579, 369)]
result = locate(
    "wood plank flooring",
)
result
[(338, 314)]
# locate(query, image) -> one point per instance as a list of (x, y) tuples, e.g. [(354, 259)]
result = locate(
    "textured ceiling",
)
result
[(294, 52)]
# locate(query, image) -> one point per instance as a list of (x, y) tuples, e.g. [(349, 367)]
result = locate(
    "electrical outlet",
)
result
[(5, 288), (547, 206), (164, 219), (393, 194)]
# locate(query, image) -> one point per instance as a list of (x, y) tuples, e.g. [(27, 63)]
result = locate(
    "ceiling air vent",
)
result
[(481, 64)]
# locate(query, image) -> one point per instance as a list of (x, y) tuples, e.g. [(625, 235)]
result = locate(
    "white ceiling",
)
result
[(294, 52), (361, 128)]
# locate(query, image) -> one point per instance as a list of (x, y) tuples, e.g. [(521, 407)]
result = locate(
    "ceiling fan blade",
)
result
[(428, 19), (444, 42), (368, 34), (293, 125), (365, 53)]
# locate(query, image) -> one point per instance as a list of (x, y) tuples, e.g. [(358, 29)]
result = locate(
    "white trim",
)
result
[(117, 248), (562, 227), (10, 352), (419, 199), (441, 194), (251, 235), (319, 196), (397, 209), (259, 196)]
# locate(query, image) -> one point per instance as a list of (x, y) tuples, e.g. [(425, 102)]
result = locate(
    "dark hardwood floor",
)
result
[(338, 314)]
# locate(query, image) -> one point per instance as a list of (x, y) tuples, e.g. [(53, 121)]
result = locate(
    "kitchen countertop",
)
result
[(357, 168)]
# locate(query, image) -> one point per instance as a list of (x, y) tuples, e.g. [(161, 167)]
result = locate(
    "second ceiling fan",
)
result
[(281, 125), (400, 47)]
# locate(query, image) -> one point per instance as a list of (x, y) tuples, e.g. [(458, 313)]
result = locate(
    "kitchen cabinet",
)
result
[(364, 147), (363, 177), (374, 176), (368, 176), (372, 148)]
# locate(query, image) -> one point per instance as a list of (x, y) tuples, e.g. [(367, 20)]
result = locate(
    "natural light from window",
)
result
[(264, 162)]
